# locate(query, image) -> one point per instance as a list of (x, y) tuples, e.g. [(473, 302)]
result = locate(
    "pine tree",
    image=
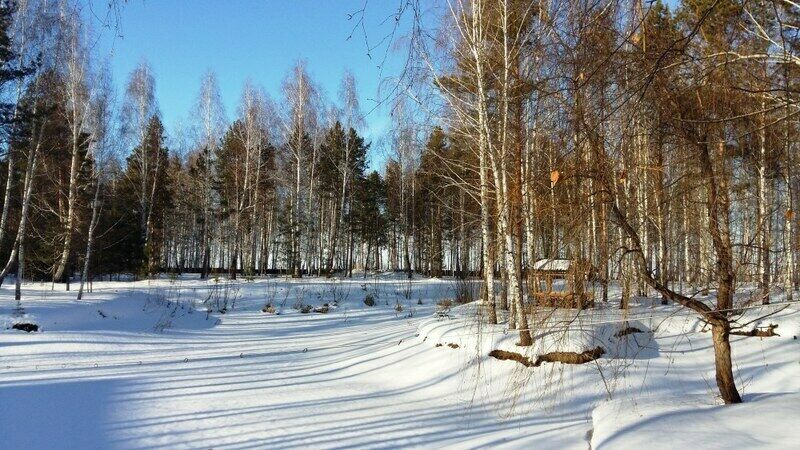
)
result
[(155, 179)]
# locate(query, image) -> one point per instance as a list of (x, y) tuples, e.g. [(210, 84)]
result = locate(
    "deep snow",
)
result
[(141, 365)]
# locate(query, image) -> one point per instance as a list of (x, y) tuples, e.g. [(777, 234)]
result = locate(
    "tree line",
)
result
[(92, 187)]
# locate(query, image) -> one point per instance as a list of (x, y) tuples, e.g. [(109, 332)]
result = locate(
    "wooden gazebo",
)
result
[(558, 283)]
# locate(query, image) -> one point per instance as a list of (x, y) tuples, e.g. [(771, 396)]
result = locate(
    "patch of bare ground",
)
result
[(26, 327), (451, 345)]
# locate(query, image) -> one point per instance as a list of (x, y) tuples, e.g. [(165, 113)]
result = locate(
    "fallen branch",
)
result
[(512, 356), (562, 357), (570, 357), (627, 331), (758, 332)]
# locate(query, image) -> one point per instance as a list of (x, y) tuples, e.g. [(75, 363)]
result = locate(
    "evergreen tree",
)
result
[(147, 255), (369, 216), (11, 69)]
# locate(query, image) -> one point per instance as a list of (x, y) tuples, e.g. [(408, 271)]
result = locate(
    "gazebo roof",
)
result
[(552, 265)]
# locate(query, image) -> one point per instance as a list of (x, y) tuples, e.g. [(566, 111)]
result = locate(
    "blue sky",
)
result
[(241, 39)]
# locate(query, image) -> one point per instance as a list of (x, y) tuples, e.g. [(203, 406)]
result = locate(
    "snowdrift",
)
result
[(553, 330), (133, 311), (763, 421)]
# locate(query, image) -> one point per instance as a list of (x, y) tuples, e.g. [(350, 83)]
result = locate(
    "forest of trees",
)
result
[(91, 187), (655, 145)]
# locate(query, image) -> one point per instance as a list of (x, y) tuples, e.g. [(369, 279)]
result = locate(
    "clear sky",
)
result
[(241, 39)]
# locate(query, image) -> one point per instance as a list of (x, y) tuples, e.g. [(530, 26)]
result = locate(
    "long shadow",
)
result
[(685, 417), (281, 397), (68, 415)]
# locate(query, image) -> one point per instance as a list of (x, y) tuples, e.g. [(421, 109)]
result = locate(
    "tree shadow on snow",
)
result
[(66, 415)]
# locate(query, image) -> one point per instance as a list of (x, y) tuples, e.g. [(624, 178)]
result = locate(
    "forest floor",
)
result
[(144, 364)]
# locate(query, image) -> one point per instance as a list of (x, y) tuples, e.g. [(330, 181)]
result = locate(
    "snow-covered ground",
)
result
[(142, 365)]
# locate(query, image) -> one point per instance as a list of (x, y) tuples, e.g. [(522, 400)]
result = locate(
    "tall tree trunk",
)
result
[(7, 196), (69, 223), (718, 204), (20, 268), (720, 335), (30, 172), (90, 237), (487, 249), (763, 222), (789, 284)]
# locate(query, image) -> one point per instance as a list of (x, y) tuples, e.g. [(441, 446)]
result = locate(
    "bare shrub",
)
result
[(221, 298), (443, 308), (406, 290), (466, 290), (445, 303), (170, 305), (338, 292)]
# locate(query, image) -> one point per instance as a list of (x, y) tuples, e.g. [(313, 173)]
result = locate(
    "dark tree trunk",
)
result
[(722, 360)]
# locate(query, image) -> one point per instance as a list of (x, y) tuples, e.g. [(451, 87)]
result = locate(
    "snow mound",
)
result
[(137, 312), (553, 331), (763, 421)]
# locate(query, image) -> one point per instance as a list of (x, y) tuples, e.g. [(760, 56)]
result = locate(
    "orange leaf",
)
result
[(554, 175)]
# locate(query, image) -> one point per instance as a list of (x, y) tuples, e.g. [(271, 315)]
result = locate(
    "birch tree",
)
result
[(74, 53), (100, 151), (211, 120), (298, 124), (138, 109)]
